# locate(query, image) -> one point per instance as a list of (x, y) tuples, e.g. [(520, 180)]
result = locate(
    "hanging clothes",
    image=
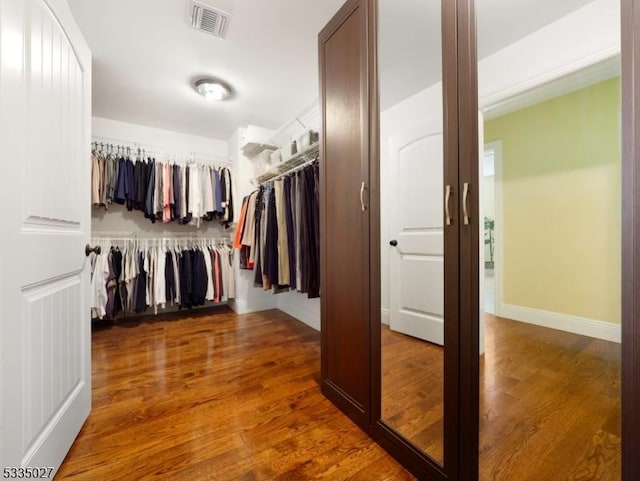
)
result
[(134, 278), (278, 233), (237, 238), (163, 191), (257, 251), (270, 265), (248, 232), (97, 171), (291, 248), (98, 290), (283, 233), (200, 278)]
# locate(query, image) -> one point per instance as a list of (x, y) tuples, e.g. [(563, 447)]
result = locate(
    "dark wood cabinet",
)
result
[(350, 235), (344, 213), (350, 230)]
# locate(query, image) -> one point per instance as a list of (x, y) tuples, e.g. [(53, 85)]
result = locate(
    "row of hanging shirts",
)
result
[(164, 191), (131, 276), (278, 232)]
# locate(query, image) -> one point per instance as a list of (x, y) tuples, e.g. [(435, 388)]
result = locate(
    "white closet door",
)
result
[(45, 332), (417, 261)]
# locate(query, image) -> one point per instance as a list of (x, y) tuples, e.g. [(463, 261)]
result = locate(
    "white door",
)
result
[(45, 332), (416, 220)]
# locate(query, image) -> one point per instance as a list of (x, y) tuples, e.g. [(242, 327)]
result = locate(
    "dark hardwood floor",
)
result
[(412, 390), (217, 397), (225, 397), (549, 401), (549, 405)]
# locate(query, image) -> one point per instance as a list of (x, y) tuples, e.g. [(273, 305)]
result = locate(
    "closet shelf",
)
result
[(296, 160), (252, 149)]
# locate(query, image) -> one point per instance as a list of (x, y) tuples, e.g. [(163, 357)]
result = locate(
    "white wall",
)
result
[(249, 297), (168, 140), (299, 306), (117, 218), (582, 38)]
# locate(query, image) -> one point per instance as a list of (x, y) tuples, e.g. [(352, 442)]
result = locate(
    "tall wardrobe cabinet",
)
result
[(344, 212), (351, 244)]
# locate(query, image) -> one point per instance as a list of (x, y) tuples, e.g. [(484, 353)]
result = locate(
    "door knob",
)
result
[(393, 243), (88, 250)]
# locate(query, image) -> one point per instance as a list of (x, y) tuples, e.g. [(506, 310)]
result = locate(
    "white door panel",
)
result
[(420, 209), (417, 261), (427, 299), (423, 242), (420, 326), (45, 344)]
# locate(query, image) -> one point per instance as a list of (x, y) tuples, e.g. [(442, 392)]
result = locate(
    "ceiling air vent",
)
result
[(208, 19)]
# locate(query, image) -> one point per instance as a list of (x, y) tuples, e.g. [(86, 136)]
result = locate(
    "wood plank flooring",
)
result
[(549, 405), (226, 397), (217, 397), (412, 390), (549, 401)]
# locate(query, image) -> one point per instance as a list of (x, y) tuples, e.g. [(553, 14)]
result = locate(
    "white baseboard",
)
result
[(563, 322), (305, 310), (386, 316), (246, 306)]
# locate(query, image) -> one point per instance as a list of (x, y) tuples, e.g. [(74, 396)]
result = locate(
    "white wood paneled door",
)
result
[(45, 343), (417, 261)]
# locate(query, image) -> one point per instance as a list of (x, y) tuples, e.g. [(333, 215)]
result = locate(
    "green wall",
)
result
[(561, 203)]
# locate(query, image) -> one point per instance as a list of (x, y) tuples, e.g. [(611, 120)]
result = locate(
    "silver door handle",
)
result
[(447, 198), (465, 208), (362, 187)]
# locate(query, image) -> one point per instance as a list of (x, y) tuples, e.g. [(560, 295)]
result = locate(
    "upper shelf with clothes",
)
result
[(297, 160), (164, 191), (274, 154)]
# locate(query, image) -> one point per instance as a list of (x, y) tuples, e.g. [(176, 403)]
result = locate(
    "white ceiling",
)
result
[(410, 37), (145, 56)]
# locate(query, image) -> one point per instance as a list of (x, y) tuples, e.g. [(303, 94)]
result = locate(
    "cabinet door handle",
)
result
[(362, 204), (465, 207), (447, 198)]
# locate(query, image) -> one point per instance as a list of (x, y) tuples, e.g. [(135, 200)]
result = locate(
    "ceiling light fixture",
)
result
[(213, 89)]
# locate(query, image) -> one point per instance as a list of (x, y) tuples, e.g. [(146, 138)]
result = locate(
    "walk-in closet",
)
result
[(338, 239)]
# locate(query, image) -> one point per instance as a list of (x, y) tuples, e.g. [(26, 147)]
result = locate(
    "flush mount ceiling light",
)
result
[(212, 89)]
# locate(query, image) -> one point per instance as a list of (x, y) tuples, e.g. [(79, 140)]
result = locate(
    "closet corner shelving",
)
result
[(300, 158), (253, 149)]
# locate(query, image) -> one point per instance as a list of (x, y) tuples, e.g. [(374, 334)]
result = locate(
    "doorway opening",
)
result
[(551, 366), (488, 222)]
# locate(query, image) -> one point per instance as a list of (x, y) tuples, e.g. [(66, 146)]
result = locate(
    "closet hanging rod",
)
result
[(297, 161), (142, 145), (290, 171), (164, 237), (159, 240), (114, 233), (158, 151)]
